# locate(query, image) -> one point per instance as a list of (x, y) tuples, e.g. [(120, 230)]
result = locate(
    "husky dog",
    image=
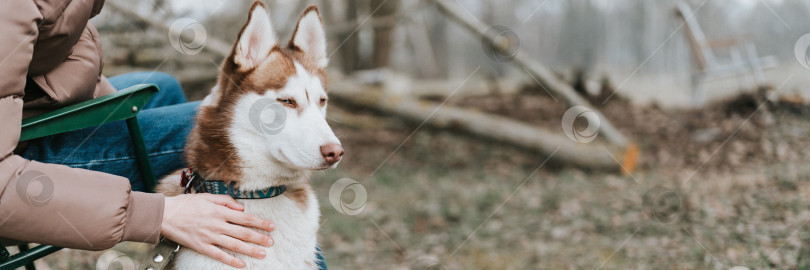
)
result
[(232, 144)]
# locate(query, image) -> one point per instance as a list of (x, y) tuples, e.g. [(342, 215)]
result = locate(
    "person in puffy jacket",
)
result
[(80, 189)]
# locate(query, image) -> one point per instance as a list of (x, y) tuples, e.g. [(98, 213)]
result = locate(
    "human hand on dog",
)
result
[(206, 223)]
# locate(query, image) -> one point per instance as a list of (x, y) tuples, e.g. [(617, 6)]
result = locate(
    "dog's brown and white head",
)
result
[(267, 115)]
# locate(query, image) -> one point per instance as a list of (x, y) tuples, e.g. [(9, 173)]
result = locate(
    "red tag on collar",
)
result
[(184, 178)]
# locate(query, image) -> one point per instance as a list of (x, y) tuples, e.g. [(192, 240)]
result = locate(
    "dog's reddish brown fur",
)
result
[(300, 193)]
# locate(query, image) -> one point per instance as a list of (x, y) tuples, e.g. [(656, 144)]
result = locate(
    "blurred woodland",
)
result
[(596, 37)]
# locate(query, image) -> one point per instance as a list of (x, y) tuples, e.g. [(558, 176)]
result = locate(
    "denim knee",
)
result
[(171, 92)]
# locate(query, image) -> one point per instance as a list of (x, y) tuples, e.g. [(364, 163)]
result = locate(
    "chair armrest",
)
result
[(122, 104)]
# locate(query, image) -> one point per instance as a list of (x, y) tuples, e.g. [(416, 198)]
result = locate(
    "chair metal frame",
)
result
[(121, 105)]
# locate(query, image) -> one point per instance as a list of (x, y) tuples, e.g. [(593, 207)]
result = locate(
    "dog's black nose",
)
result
[(332, 153)]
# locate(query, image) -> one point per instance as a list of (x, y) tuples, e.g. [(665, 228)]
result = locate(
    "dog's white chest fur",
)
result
[(295, 236)]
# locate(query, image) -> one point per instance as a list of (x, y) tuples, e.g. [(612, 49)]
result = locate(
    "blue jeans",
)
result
[(165, 123)]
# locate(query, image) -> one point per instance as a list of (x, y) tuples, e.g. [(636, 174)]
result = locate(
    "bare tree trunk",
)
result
[(419, 37), (383, 35), (349, 46)]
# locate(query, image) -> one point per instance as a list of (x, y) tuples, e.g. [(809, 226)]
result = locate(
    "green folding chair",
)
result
[(121, 105)]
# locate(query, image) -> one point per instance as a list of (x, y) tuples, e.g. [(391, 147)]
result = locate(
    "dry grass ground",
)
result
[(442, 200)]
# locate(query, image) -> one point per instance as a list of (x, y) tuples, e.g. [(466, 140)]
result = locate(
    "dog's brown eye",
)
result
[(287, 102), (323, 101)]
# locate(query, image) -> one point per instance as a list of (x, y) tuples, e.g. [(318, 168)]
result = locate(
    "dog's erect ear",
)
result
[(256, 40), (309, 36)]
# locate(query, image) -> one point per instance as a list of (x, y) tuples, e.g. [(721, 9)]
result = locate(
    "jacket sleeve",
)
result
[(55, 204)]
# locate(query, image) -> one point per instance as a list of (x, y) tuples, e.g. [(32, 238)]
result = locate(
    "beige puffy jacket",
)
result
[(51, 43)]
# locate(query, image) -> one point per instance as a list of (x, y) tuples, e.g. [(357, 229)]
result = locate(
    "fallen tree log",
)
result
[(592, 155)]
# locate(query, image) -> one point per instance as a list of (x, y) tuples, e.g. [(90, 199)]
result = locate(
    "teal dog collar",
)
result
[(191, 180)]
